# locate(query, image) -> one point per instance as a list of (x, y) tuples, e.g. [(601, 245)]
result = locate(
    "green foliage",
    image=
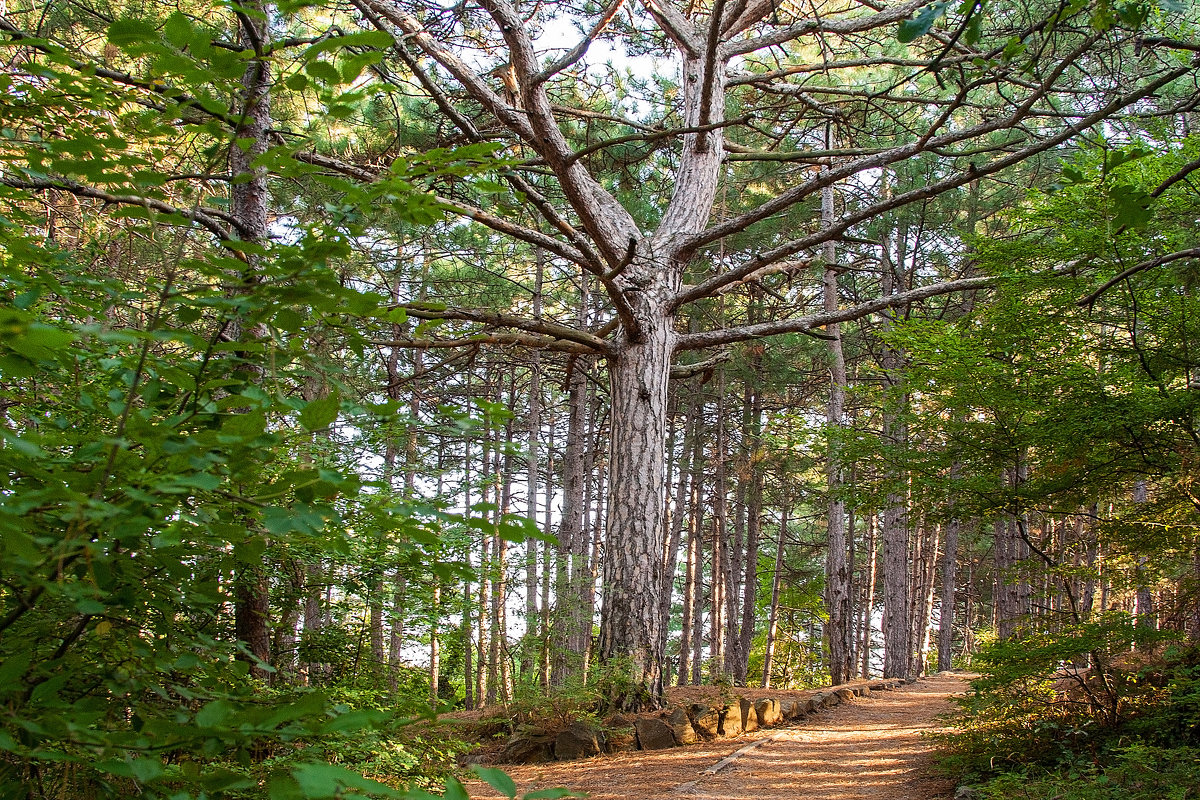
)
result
[(158, 445), (1136, 772), (1039, 715)]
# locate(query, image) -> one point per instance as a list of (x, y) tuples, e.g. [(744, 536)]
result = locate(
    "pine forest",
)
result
[(370, 362)]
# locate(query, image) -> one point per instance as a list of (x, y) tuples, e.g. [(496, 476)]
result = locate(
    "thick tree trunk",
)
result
[(630, 623)]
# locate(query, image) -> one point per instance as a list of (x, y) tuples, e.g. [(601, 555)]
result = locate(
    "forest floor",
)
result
[(872, 748)]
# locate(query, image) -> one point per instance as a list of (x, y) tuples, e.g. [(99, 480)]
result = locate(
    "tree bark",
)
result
[(776, 580), (630, 623), (946, 615), (839, 629)]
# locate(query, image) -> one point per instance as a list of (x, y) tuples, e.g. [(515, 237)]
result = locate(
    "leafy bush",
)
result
[(1137, 772), (1075, 716)]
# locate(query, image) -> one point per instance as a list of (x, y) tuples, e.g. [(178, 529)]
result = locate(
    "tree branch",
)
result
[(501, 339), (677, 26), (798, 193), (578, 51), (545, 328), (1178, 255), (209, 218), (806, 325), (841, 26)]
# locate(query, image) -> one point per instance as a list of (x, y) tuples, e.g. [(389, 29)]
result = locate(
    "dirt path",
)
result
[(870, 749)]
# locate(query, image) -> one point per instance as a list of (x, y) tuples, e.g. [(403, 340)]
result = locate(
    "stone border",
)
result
[(679, 725)]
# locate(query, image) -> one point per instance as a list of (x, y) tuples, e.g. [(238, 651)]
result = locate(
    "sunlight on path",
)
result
[(870, 749)]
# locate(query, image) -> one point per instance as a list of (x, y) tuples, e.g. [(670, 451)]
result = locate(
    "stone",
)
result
[(731, 719), (681, 726), (580, 740), (857, 690), (811, 705), (866, 691), (620, 740), (534, 746), (790, 709), (827, 699), (705, 719), (768, 712), (653, 733), (877, 686), (749, 715), (845, 695)]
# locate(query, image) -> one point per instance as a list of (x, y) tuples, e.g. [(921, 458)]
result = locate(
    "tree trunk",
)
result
[(249, 204), (571, 560), (630, 623), (946, 616), (754, 510), (776, 579), (869, 605), (839, 629), (435, 644)]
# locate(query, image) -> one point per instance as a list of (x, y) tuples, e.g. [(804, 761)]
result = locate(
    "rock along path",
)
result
[(869, 749)]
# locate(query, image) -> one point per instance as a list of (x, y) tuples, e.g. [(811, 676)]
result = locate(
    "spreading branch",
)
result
[(808, 325), (961, 178), (217, 222), (497, 319)]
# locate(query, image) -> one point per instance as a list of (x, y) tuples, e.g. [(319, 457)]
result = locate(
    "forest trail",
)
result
[(871, 748)]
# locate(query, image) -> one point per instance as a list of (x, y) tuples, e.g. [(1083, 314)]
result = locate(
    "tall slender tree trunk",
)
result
[(534, 429), (838, 604), (776, 581), (435, 643), (754, 510), (946, 615), (249, 205), (570, 558), (869, 604), (675, 532)]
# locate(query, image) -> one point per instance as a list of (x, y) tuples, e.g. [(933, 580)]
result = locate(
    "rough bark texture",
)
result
[(839, 630), (630, 625), (249, 204), (946, 617)]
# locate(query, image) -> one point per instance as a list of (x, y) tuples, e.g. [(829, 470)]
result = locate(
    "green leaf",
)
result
[(497, 779), (124, 32), (39, 341), (920, 25), (323, 71), (14, 667), (320, 413), (1131, 206), (370, 39), (178, 30), (213, 713), (455, 790)]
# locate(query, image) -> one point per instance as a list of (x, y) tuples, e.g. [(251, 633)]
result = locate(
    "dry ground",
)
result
[(869, 749)]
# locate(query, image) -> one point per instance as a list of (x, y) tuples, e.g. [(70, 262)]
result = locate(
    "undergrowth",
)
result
[(1099, 711)]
